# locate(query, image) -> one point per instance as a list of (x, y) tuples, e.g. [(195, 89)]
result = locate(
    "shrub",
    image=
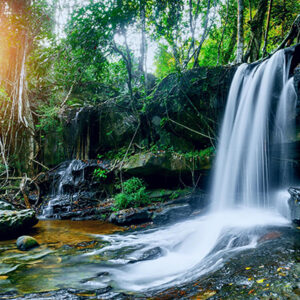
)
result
[(100, 174), (134, 194)]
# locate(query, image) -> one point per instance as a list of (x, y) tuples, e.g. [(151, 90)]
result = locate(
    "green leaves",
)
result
[(133, 195)]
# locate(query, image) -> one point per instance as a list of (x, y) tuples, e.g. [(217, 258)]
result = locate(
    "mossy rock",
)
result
[(26, 243), (150, 163), (13, 222)]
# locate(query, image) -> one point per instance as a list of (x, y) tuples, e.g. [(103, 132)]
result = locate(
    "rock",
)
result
[(294, 204), (73, 191), (131, 216), (6, 206), (26, 243), (149, 255), (162, 162), (172, 214), (13, 222)]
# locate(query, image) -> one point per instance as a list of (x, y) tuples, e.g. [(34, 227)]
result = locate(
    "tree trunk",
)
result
[(143, 49), (204, 35), (267, 29), (240, 32), (143, 41), (293, 34), (223, 32), (256, 25), (232, 43)]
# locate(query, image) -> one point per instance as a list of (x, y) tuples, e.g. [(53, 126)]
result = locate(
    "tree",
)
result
[(21, 25), (256, 27), (240, 32)]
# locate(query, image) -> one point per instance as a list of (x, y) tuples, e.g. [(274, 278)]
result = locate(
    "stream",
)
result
[(88, 259)]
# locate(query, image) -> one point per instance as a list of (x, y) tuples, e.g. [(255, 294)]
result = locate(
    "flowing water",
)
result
[(59, 194), (242, 201), (245, 208)]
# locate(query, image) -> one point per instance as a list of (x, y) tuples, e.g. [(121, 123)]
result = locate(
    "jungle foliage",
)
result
[(101, 55)]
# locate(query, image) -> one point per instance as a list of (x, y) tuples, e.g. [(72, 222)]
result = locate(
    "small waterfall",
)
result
[(60, 193), (242, 173)]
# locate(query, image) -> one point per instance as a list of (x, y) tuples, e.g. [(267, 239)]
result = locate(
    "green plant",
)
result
[(133, 194), (199, 154), (116, 155), (100, 173)]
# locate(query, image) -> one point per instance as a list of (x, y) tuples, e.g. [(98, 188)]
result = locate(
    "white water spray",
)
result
[(242, 171)]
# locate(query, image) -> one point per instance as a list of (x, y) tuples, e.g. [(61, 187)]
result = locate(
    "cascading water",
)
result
[(59, 193), (258, 109), (242, 173)]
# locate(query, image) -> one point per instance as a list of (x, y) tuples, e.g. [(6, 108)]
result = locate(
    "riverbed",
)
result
[(69, 264)]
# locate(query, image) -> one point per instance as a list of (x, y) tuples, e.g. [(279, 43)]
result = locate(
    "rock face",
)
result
[(294, 203), (191, 101), (13, 222), (26, 243), (162, 162)]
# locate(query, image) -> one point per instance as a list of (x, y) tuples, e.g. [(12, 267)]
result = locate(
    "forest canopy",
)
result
[(56, 54)]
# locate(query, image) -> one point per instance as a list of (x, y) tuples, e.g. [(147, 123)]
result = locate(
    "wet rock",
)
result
[(149, 255), (13, 222), (294, 204), (270, 236), (74, 192), (26, 243), (172, 214), (6, 206), (130, 216)]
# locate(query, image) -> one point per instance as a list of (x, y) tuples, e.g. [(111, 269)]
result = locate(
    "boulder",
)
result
[(26, 243), (130, 216), (294, 204), (164, 162), (13, 222), (172, 214)]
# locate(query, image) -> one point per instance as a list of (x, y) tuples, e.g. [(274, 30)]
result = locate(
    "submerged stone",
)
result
[(26, 243)]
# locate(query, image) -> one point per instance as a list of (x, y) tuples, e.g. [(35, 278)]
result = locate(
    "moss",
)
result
[(26, 242)]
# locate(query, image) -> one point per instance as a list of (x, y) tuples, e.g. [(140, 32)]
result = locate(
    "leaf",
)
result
[(260, 280), (3, 277)]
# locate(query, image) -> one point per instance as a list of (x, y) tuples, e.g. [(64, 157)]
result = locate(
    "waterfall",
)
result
[(242, 173), (59, 193), (258, 120)]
